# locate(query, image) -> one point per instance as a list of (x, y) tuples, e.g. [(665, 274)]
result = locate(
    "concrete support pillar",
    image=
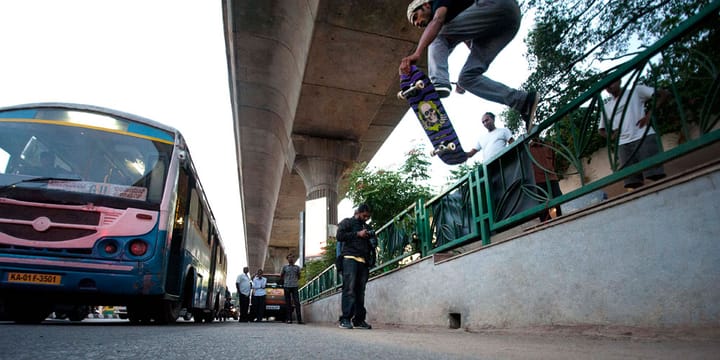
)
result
[(320, 163), (276, 259), (321, 176)]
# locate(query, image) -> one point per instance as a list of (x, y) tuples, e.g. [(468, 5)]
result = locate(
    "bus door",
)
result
[(175, 265)]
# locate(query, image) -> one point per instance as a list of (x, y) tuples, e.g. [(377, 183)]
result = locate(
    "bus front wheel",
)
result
[(28, 311), (168, 311)]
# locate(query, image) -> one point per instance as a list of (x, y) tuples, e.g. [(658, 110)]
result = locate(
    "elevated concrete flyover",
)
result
[(313, 87)]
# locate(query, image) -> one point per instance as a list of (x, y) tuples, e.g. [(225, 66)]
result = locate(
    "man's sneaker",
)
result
[(345, 324), (442, 90), (529, 107), (363, 325)]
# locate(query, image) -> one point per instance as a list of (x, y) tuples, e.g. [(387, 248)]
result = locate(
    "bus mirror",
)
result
[(182, 155)]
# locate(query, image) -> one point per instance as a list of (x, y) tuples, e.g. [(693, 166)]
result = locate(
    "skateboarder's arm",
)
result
[(432, 30), (430, 33), (471, 153)]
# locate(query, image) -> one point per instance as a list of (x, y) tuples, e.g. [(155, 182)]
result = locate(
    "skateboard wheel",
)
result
[(451, 146), (400, 95), (420, 84)]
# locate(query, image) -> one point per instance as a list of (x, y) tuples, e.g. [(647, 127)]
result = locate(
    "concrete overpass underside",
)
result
[(313, 87)]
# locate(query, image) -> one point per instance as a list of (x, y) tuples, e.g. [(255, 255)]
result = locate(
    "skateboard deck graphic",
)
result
[(420, 94)]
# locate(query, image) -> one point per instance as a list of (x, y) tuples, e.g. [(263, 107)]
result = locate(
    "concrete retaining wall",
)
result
[(650, 260)]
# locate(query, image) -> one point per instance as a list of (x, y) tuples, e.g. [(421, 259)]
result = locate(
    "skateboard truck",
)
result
[(417, 90), (409, 92), (443, 147)]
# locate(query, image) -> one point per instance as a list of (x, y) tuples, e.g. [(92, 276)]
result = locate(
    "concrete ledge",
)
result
[(651, 260)]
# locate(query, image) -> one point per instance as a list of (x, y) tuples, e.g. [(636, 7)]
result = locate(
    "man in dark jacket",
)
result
[(355, 235)]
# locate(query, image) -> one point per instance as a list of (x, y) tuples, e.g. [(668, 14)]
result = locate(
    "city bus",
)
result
[(101, 207)]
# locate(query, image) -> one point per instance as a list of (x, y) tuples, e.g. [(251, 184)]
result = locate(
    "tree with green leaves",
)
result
[(312, 268), (574, 44), (573, 41), (458, 172), (389, 192)]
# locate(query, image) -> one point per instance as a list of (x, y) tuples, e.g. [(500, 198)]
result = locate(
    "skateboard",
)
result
[(420, 94)]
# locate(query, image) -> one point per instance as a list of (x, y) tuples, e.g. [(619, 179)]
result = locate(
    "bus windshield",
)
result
[(85, 156)]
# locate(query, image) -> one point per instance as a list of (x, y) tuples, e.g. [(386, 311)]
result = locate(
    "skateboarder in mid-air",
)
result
[(487, 26)]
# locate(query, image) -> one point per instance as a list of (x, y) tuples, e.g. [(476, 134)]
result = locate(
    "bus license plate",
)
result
[(46, 279), (272, 307)]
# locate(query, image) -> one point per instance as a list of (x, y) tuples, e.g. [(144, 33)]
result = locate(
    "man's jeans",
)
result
[(488, 25), (292, 300), (355, 276), (258, 305), (244, 304)]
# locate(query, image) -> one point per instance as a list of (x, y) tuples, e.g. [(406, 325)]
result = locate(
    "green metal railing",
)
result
[(502, 194)]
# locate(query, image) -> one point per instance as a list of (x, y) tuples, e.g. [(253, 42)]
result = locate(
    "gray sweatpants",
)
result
[(630, 154), (489, 25)]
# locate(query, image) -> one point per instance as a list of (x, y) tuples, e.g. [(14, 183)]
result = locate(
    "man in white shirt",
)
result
[(637, 140), (494, 141), (242, 283)]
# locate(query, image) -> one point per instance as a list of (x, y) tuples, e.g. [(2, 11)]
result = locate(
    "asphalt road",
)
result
[(117, 339)]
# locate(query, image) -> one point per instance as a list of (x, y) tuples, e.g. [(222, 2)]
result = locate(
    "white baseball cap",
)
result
[(414, 5)]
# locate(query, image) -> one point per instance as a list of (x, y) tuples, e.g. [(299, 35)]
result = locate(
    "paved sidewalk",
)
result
[(558, 342), (109, 339)]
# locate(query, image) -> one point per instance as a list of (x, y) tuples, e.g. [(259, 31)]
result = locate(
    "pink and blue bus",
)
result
[(100, 207)]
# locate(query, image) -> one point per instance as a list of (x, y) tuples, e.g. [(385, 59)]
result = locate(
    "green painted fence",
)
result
[(502, 193)]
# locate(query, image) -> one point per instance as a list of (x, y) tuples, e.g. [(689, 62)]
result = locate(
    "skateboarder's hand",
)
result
[(406, 62)]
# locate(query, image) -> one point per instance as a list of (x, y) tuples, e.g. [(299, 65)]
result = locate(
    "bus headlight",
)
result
[(138, 247), (108, 248)]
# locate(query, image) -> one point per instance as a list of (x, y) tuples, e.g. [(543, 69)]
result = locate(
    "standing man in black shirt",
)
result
[(355, 235)]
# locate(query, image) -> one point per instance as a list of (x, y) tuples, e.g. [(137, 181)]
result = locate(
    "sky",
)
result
[(165, 60)]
